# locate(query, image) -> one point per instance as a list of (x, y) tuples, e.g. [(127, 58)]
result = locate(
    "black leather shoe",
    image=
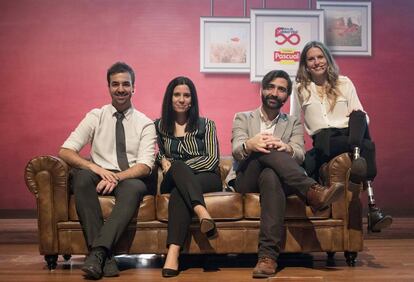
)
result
[(110, 268), (168, 272), (94, 263), (208, 227), (377, 220)]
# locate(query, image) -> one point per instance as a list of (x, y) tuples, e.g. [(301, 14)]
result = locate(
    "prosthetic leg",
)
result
[(376, 219)]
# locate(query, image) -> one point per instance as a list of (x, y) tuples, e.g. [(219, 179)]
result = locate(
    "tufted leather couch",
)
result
[(337, 229)]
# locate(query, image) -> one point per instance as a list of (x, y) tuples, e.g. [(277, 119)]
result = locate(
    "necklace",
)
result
[(320, 89)]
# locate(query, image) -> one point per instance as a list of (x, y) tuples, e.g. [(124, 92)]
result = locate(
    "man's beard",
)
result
[(277, 102)]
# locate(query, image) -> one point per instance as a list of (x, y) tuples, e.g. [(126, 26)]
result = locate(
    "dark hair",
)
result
[(168, 115), (275, 74), (120, 67)]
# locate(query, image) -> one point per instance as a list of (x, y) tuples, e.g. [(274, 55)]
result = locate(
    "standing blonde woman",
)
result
[(336, 121)]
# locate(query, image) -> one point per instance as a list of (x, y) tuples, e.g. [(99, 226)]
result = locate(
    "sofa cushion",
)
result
[(295, 208), (146, 208), (221, 206)]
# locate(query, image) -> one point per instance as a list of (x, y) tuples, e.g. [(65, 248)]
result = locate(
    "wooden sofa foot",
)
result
[(66, 257), (350, 258), (330, 259), (51, 261)]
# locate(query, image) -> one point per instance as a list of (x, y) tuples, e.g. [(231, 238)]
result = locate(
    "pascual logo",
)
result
[(286, 56)]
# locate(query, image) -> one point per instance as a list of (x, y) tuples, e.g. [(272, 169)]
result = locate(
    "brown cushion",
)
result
[(295, 208), (220, 205), (146, 209)]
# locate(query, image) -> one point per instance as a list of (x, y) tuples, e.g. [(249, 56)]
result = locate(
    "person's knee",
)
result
[(132, 189), (178, 164), (178, 167), (368, 145), (358, 114), (274, 157), (82, 179)]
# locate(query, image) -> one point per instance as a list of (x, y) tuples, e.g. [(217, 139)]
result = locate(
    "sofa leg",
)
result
[(330, 259), (51, 261), (66, 257), (350, 258)]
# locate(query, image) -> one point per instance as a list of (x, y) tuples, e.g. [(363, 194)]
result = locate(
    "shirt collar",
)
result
[(264, 118), (127, 113)]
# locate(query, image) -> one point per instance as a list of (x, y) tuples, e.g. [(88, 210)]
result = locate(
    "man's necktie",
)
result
[(120, 142)]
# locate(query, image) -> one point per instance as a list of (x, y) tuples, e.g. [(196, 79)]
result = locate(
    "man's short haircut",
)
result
[(275, 74), (120, 67)]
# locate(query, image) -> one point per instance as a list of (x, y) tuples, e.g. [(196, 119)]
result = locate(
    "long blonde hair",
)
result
[(304, 78)]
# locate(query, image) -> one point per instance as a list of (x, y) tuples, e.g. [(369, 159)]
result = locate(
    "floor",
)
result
[(387, 256)]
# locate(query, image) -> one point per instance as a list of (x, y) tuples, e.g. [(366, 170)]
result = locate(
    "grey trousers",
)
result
[(128, 195), (275, 176)]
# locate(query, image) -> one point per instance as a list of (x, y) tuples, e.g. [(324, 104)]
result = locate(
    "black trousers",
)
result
[(128, 194), (186, 190), (275, 176), (330, 142)]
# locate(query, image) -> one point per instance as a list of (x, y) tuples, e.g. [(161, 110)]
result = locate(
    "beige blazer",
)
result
[(247, 124)]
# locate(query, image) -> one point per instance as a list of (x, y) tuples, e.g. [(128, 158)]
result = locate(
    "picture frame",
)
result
[(224, 45), (347, 27), (278, 37)]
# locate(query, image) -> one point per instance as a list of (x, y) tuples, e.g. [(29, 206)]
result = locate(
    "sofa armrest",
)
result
[(47, 178), (338, 170)]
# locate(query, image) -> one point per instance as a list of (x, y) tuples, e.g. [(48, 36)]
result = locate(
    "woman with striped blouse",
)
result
[(189, 158)]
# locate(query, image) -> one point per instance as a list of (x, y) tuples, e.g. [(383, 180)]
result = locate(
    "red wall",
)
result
[(54, 56)]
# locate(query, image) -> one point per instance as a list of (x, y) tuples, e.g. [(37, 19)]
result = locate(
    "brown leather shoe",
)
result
[(320, 197), (265, 267)]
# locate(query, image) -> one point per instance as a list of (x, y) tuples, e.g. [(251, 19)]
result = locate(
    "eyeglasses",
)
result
[(274, 88)]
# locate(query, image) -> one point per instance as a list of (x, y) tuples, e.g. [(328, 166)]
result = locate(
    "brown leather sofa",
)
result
[(336, 229)]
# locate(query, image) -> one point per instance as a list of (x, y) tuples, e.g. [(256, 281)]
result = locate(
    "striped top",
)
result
[(198, 149)]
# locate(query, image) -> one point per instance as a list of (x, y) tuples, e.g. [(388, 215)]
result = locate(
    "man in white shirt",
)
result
[(122, 154), (268, 147)]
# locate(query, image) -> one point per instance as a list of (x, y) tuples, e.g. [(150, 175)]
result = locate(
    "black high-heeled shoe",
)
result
[(168, 272), (208, 227)]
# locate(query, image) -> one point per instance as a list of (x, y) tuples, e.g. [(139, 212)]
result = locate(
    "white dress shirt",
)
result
[(267, 126), (98, 129), (316, 111)]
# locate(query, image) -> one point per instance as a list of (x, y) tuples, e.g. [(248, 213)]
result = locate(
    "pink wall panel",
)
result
[(54, 56)]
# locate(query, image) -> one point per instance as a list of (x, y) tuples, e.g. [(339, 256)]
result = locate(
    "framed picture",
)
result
[(224, 45), (278, 37), (347, 27)]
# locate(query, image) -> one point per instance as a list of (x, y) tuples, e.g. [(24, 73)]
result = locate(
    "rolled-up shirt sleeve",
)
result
[(146, 150), (83, 133)]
